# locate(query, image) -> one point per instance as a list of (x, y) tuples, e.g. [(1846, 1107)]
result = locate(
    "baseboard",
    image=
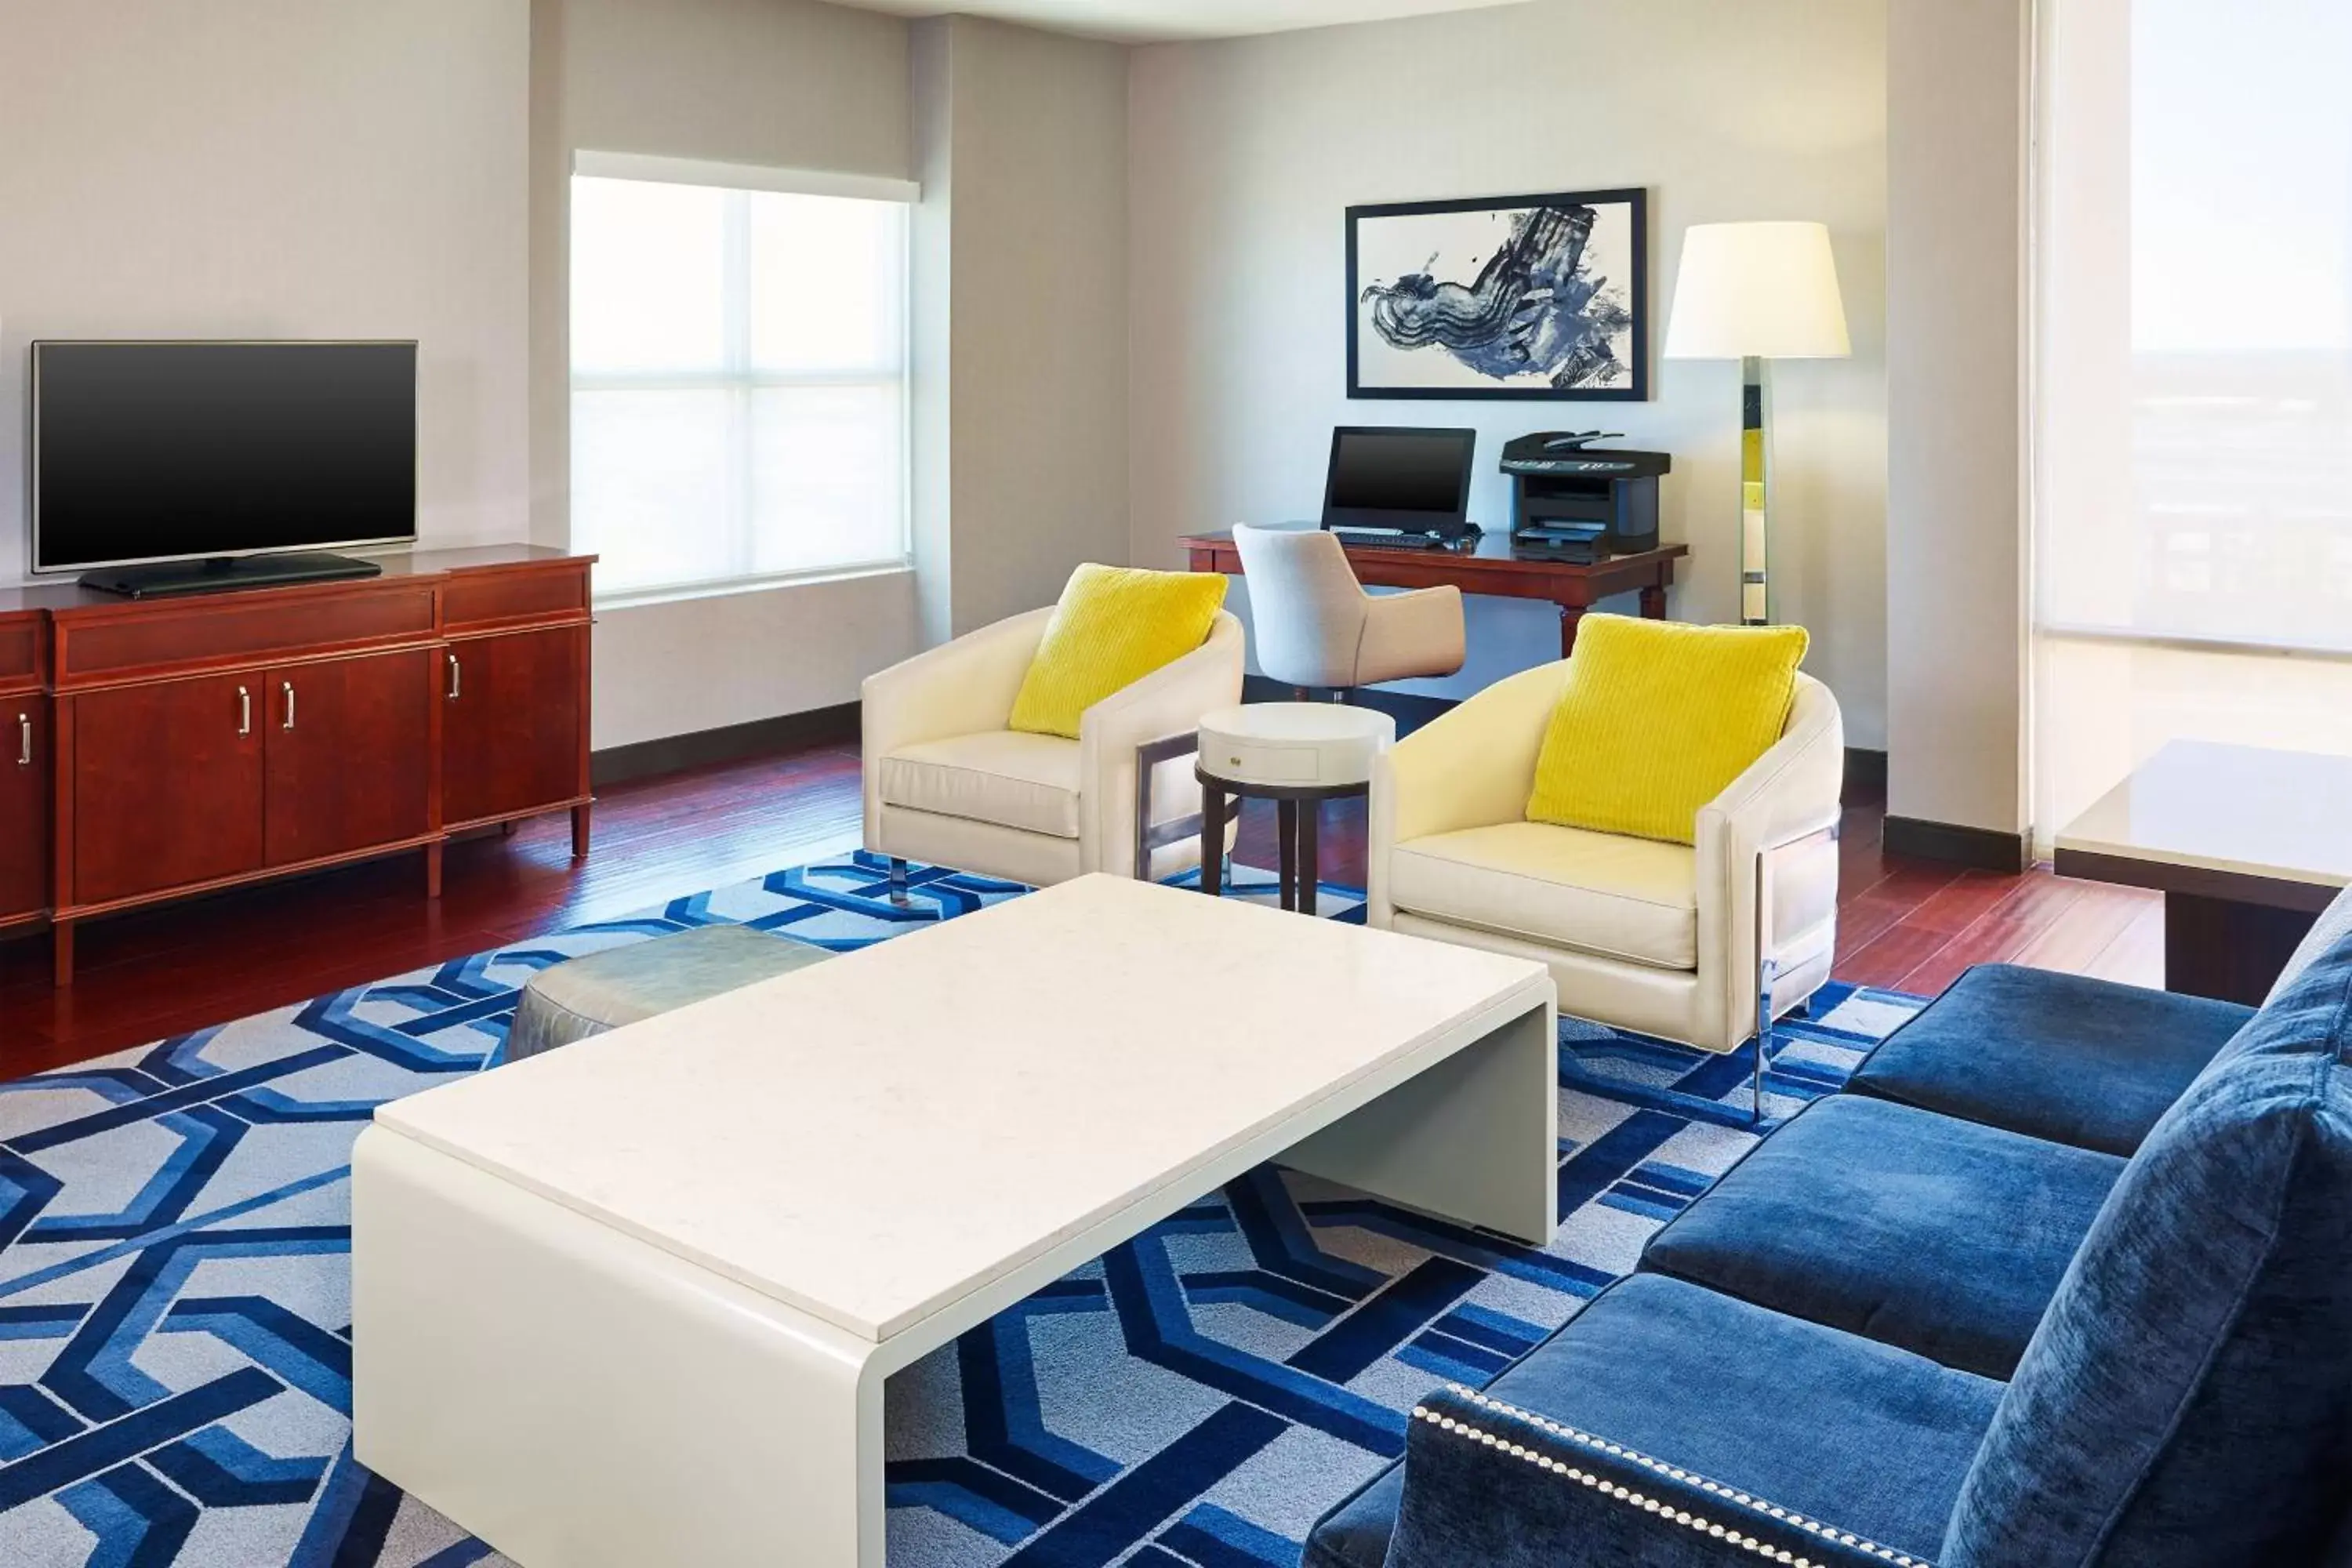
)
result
[(1865, 773), (762, 737), (1979, 848), (1409, 710)]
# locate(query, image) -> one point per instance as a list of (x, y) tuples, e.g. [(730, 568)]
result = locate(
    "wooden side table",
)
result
[(1297, 754)]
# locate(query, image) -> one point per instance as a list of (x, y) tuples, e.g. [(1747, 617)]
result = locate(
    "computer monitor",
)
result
[(1385, 476)]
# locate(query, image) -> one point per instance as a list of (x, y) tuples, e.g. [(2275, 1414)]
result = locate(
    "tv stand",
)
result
[(170, 578), (152, 750)]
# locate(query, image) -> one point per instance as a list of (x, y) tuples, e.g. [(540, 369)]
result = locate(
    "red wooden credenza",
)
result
[(154, 749)]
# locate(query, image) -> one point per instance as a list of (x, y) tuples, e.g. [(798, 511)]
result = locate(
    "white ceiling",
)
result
[(1141, 21)]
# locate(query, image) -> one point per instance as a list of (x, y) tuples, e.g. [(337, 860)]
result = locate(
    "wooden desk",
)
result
[(1491, 566)]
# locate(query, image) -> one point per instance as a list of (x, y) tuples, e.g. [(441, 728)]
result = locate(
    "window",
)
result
[(739, 383), (2193, 386)]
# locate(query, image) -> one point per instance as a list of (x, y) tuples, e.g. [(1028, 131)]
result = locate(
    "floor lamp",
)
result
[(1756, 293)]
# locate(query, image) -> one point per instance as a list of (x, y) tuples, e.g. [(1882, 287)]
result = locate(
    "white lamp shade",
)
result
[(1769, 289)]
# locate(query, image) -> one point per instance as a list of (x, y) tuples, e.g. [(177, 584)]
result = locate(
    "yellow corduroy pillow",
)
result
[(1657, 719), (1113, 625)]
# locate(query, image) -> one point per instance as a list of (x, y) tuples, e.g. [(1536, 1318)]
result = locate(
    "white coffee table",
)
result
[(633, 1302)]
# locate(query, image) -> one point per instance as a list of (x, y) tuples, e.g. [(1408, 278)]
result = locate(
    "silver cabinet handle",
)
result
[(244, 711), (456, 677), (288, 687), (23, 740)]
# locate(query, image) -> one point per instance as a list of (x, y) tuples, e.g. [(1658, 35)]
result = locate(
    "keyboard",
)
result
[(1355, 539)]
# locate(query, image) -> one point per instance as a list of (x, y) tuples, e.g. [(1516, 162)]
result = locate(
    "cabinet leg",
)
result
[(579, 832), (61, 949), (433, 870)]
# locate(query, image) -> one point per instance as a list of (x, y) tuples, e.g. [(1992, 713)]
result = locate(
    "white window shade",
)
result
[(2193, 283), (739, 383)]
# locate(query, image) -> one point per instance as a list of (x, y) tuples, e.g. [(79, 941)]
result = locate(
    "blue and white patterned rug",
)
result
[(174, 1290)]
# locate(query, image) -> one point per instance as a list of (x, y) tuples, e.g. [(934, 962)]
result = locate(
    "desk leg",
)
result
[(1212, 840), (1568, 617), (1653, 602)]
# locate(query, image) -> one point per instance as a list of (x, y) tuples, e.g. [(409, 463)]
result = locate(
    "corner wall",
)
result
[(1021, 316), (278, 169), (783, 83), (1245, 154), (1956, 394)]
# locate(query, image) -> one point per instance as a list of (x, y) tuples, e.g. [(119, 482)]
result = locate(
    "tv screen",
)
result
[(160, 451)]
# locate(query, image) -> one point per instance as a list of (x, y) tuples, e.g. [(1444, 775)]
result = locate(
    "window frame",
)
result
[(740, 378)]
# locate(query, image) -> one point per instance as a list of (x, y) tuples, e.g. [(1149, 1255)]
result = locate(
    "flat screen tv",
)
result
[(214, 452)]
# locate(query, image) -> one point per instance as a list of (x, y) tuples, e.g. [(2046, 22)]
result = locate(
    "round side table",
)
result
[(1297, 754)]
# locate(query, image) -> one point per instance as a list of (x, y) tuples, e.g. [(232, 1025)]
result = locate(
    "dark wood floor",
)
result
[(1907, 924)]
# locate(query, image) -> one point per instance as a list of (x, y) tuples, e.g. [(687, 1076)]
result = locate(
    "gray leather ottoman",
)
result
[(584, 996)]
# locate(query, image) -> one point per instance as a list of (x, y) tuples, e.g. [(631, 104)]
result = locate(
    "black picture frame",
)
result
[(1631, 208)]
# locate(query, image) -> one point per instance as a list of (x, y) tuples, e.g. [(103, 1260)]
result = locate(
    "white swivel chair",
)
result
[(947, 783), (1317, 626), (1704, 942)]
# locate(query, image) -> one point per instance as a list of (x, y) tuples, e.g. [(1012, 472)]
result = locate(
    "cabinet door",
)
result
[(350, 754), (513, 712), (166, 785), (23, 804)]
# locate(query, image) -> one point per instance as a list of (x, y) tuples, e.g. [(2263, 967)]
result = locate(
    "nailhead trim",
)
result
[(1607, 1487)]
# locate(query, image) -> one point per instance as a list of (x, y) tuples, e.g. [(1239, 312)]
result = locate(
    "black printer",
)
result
[(1580, 501)]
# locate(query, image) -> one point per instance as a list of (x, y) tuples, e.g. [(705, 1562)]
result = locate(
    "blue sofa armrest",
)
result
[(1489, 1483)]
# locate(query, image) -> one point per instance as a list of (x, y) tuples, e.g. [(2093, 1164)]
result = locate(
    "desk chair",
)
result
[(1317, 627)]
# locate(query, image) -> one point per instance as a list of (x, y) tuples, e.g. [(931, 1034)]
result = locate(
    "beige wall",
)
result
[(1021, 315), (1956, 150), (1244, 155), (783, 83), (278, 168)]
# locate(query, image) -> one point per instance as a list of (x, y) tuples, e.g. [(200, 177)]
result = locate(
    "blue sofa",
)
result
[(2062, 1278)]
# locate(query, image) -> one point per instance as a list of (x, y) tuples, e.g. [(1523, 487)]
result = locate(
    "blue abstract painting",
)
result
[(1506, 297)]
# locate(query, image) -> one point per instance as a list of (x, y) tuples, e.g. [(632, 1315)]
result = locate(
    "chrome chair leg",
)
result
[(899, 883), (1765, 972)]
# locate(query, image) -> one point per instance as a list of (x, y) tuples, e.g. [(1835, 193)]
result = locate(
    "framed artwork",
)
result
[(1544, 297)]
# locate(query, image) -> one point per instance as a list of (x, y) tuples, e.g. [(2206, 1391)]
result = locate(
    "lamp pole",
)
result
[(1755, 492)]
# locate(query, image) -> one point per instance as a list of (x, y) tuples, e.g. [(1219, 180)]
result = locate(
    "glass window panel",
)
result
[(649, 277), (739, 383), (828, 475), (828, 284), (2193, 273), (652, 486)]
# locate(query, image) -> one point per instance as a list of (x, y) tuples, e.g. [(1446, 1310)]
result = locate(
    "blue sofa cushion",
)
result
[(2188, 1399), (2058, 1057), (1939, 1236), (1862, 1435)]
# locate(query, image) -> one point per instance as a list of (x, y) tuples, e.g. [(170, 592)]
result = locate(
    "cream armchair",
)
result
[(946, 783), (1702, 944)]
